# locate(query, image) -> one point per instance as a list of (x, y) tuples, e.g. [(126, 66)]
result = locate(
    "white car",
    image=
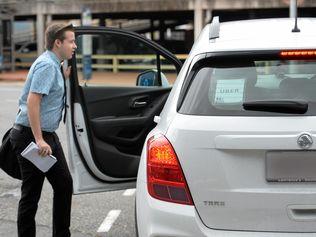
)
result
[(232, 153)]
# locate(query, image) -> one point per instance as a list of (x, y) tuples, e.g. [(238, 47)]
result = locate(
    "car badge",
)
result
[(305, 141)]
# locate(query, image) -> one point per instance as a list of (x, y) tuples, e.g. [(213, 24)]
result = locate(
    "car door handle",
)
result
[(139, 104)]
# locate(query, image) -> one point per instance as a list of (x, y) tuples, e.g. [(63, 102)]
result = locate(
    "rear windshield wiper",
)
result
[(277, 106)]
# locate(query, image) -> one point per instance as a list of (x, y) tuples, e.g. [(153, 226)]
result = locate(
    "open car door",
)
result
[(119, 82)]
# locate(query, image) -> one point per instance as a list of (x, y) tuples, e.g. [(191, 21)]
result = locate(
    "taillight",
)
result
[(298, 54), (165, 179)]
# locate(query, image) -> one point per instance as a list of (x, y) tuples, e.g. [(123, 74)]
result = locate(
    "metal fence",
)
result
[(115, 63)]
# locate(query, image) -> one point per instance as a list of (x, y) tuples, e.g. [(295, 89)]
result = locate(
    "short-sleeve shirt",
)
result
[(44, 78)]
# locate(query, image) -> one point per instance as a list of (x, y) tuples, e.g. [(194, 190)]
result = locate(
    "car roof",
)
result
[(263, 34)]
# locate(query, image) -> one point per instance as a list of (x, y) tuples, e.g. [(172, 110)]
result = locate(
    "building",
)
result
[(173, 24)]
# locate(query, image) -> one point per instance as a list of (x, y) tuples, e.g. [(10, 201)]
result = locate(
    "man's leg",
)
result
[(32, 183), (61, 181)]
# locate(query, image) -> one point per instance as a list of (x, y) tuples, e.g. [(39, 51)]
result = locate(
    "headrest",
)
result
[(298, 87)]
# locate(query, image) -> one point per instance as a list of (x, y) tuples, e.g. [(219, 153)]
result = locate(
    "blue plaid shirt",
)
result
[(44, 78)]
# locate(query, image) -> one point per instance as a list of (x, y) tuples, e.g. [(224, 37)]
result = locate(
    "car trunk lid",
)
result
[(247, 173)]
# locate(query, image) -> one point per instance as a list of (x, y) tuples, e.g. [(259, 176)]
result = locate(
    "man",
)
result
[(41, 106)]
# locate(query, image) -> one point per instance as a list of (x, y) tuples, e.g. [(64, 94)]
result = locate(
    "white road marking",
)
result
[(109, 221), (13, 192), (129, 192)]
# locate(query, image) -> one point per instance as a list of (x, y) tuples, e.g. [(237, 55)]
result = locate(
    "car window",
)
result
[(221, 89), (116, 60)]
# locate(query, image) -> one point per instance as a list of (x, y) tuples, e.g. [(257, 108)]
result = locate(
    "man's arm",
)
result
[(33, 107)]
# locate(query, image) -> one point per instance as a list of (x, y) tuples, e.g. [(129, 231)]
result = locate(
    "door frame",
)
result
[(76, 95)]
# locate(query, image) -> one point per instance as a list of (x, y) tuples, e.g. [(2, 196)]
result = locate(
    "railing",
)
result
[(24, 59), (114, 63), (24, 36)]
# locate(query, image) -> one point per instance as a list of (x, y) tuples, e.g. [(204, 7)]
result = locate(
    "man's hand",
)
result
[(44, 148)]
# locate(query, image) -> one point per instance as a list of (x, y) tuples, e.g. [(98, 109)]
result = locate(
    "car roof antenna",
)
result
[(214, 28), (295, 29)]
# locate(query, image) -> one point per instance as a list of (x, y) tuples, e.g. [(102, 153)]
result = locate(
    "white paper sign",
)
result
[(229, 91)]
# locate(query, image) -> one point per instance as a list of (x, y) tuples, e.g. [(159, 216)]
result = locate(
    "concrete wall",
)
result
[(28, 7), (98, 6), (44, 9), (254, 4)]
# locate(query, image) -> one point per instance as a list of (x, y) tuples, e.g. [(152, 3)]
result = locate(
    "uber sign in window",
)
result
[(229, 91)]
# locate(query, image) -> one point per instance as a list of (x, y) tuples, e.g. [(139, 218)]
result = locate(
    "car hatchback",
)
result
[(232, 153)]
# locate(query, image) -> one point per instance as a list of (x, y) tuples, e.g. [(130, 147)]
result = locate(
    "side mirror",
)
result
[(150, 78), (147, 78)]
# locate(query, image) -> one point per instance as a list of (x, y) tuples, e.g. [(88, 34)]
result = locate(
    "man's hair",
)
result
[(54, 32)]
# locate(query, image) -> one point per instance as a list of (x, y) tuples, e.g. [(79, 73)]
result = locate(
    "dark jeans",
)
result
[(32, 182)]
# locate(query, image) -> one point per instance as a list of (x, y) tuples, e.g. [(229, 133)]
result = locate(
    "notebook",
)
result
[(43, 163)]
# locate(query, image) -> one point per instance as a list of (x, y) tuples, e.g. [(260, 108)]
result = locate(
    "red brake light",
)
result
[(165, 179), (298, 54)]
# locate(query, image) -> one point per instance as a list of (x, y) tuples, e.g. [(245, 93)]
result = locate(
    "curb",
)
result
[(19, 76), (12, 80)]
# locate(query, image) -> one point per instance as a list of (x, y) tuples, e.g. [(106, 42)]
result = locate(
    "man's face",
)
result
[(68, 45)]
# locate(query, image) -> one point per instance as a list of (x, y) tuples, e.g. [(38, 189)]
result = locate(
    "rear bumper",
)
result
[(156, 218)]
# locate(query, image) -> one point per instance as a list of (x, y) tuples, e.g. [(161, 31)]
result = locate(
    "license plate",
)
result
[(291, 166)]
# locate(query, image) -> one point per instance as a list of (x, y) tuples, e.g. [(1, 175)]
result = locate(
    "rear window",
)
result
[(220, 87)]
